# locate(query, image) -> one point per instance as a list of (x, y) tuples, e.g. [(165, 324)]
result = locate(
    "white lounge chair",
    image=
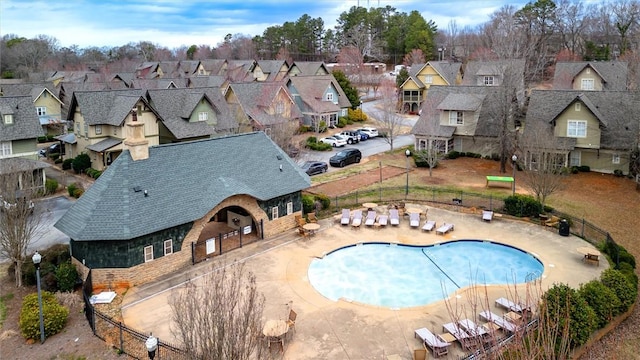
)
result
[(429, 225), (466, 340), (510, 305), (437, 345), (383, 220), (346, 217), (394, 217), (474, 329), (503, 323), (357, 218), (487, 215), (445, 228), (414, 219), (371, 218)]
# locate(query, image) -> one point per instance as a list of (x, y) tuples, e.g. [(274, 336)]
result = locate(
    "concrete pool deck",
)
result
[(327, 329)]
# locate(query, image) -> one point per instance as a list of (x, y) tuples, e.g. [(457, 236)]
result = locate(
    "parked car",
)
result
[(345, 157), (314, 167), (42, 152), (352, 136), (363, 135), (372, 132), (335, 141), (56, 148)]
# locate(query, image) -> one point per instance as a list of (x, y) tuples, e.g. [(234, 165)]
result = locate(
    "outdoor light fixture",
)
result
[(36, 261), (406, 189), (152, 345), (514, 159)]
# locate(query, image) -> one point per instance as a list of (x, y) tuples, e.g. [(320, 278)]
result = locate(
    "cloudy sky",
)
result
[(173, 23)]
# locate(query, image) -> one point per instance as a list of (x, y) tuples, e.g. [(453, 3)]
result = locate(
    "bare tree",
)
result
[(219, 316), (387, 115), (543, 160), (20, 217), (416, 56), (430, 154)]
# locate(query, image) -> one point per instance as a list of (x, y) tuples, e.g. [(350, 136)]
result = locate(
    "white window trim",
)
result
[(5, 148), (168, 247), (329, 96), (576, 128), (587, 84), (8, 119), (454, 119), (274, 213), (203, 116), (575, 155), (98, 129), (615, 159), (41, 110), (578, 106), (289, 208), (148, 253), (428, 79), (489, 80)]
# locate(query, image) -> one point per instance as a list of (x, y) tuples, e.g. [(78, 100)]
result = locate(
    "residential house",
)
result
[(320, 99), (461, 118), (241, 70), (272, 70), (598, 129), (213, 67), (146, 216), (19, 127), (422, 76), (262, 106), (100, 123), (591, 76), (506, 73), (47, 105), (309, 68)]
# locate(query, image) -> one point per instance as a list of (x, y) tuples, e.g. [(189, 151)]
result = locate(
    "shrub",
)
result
[(49, 137), (71, 188), (66, 164), (618, 173), (307, 204), (51, 185), (584, 168), (57, 161), (42, 139), (54, 156), (565, 304), (77, 193), (324, 200), (81, 163), (54, 315), (66, 276), (304, 128), (602, 300), (342, 122), (313, 144), (453, 155), (522, 205), (622, 287), (51, 258), (357, 115)]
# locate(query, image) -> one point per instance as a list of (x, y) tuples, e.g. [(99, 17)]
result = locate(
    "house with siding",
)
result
[(422, 76), (149, 212), (47, 105), (320, 99), (19, 127), (598, 129), (309, 68), (591, 76)]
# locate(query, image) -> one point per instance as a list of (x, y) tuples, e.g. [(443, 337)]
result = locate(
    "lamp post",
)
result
[(406, 189), (514, 159), (36, 261), (152, 345)]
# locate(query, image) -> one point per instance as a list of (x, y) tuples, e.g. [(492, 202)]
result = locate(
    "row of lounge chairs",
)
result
[(393, 219)]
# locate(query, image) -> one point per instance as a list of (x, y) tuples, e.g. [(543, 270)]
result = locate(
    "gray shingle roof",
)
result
[(105, 144), (497, 68), (184, 181), (175, 106), (614, 73), (614, 109), (26, 124), (256, 97), (446, 69), (312, 89), (109, 107)]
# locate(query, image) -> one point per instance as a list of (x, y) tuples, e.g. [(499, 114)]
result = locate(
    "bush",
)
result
[(50, 186), (602, 300), (357, 115), (51, 258), (618, 173), (342, 122), (54, 156), (71, 188), (66, 276), (77, 193), (93, 173), (313, 144), (565, 304), (66, 164), (49, 137), (42, 139), (57, 161), (453, 155), (307, 204), (622, 287), (54, 315), (324, 200), (81, 163), (584, 168), (522, 206)]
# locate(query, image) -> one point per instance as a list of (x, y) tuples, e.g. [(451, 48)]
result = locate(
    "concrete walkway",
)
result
[(327, 329)]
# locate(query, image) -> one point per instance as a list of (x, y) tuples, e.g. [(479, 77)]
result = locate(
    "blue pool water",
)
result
[(400, 276)]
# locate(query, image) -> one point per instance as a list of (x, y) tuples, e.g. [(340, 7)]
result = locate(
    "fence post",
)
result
[(240, 233), (193, 253), (220, 243), (582, 233), (262, 229), (121, 337)]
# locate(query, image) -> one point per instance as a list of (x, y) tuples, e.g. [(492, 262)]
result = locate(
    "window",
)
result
[(168, 247), (428, 79), (5, 148), (86, 129), (588, 84), (329, 96), (578, 106), (488, 80), (274, 213), (616, 159), (203, 116), (456, 118), (41, 110), (148, 253), (577, 128), (280, 108), (289, 208), (98, 129), (574, 158), (8, 119)]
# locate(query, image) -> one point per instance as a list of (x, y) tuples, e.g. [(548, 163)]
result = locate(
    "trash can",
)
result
[(563, 228)]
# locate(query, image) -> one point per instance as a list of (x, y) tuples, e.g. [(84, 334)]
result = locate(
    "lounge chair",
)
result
[(414, 220), (437, 345), (383, 220), (312, 217), (445, 228), (371, 218), (475, 330), (510, 305), (394, 217), (467, 341), (487, 215), (356, 221), (429, 225), (502, 323), (346, 217)]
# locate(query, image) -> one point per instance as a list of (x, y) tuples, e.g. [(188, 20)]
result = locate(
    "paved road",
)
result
[(53, 209)]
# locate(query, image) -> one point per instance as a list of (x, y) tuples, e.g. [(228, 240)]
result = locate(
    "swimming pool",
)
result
[(398, 276)]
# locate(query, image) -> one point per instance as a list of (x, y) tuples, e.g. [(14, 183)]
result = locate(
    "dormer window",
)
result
[(8, 119), (588, 84), (329, 96), (576, 129), (203, 116), (41, 110), (578, 106), (428, 79), (456, 118), (488, 81), (280, 108)]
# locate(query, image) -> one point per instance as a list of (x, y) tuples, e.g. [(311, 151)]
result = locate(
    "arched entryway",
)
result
[(230, 228)]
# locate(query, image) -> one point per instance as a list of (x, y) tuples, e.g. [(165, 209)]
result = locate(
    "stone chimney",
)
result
[(135, 141)]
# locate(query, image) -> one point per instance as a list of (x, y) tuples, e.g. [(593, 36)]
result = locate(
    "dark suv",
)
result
[(314, 167), (352, 137), (345, 157)]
